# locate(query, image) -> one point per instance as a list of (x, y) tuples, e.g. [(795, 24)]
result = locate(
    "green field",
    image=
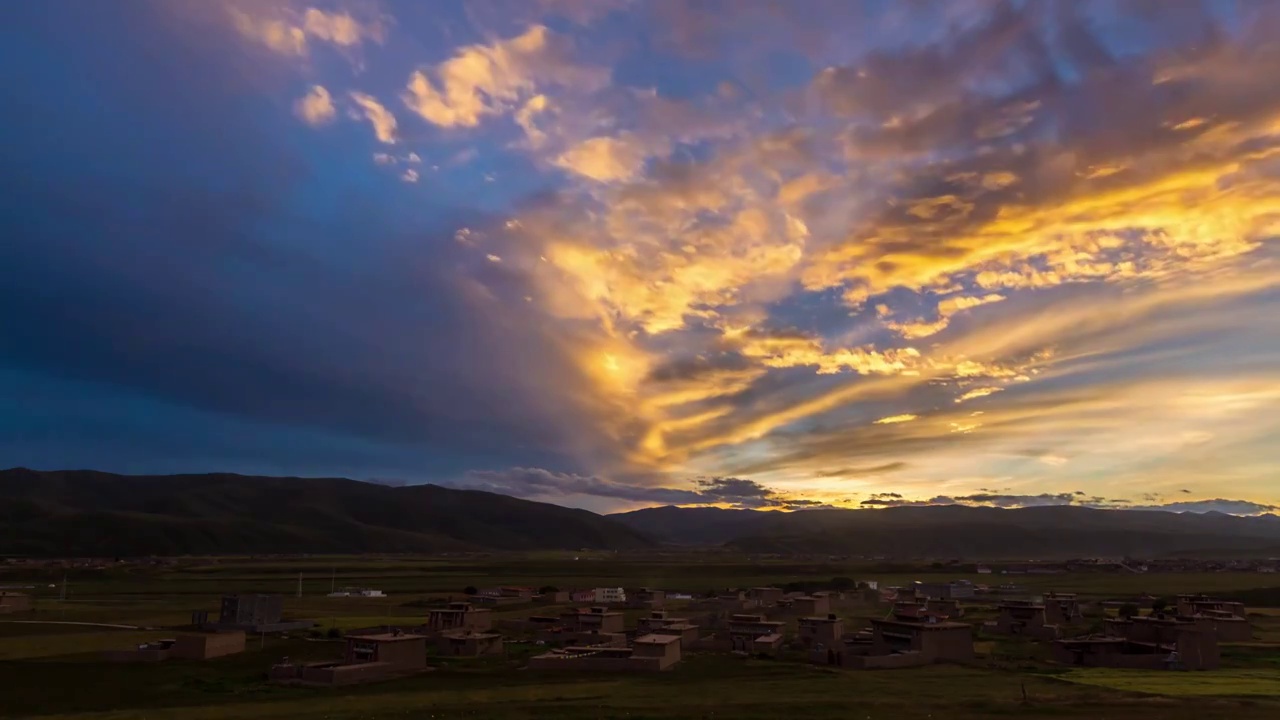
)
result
[(1233, 682), (54, 670)]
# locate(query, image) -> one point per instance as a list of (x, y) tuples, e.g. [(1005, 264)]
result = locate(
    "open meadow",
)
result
[(51, 665)]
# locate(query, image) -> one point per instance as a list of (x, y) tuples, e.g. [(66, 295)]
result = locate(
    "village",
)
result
[(649, 630)]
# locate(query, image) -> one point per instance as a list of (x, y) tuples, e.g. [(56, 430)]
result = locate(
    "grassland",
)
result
[(54, 671), (1223, 683)]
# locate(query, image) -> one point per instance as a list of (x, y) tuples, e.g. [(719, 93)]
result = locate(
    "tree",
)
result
[(842, 583), (548, 590), (1159, 605), (1127, 610), (470, 590)]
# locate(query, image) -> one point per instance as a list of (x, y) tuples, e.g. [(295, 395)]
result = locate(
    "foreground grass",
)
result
[(702, 687), (1219, 683)]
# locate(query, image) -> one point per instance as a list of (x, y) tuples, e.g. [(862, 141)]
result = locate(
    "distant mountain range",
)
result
[(957, 531), (90, 513), (84, 512)]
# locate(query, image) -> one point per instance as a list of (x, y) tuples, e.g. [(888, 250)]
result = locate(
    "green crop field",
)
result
[(52, 668)]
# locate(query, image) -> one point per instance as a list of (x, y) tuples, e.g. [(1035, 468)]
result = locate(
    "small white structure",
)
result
[(610, 595), (357, 592)]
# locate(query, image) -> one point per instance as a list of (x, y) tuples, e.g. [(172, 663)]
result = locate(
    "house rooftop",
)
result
[(388, 637), (922, 625), (476, 635), (657, 640)]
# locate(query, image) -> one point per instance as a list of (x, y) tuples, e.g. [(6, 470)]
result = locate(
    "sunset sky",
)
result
[(613, 254)]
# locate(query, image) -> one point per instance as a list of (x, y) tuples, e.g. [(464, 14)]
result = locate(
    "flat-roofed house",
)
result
[(459, 616), (814, 605), (1061, 608), (610, 595), (826, 631), (368, 658), (650, 653), (923, 642), (594, 619), (660, 652), (950, 608), (208, 645), (1024, 618), (469, 644), (660, 623), (1203, 604), (744, 630), (1182, 648), (765, 596)]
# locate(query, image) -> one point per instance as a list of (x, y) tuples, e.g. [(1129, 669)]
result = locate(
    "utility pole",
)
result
[(62, 594), (333, 576), (299, 584)]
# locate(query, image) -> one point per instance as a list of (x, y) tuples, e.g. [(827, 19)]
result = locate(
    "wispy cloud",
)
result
[(383, 122), (287, 31)]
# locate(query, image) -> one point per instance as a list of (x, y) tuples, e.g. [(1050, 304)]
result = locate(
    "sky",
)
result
[(614, 254)]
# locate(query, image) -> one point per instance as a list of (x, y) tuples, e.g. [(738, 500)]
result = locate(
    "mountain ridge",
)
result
[(960, 531), (88, 512)]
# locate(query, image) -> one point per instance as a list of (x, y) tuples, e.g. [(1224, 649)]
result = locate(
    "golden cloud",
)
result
[(316, 107), (894, 419), (883, 223), (484, 80), (287, 32), (383, 122)]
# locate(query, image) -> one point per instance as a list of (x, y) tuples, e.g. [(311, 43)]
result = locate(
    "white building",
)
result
[(357, 592), (610, 595)]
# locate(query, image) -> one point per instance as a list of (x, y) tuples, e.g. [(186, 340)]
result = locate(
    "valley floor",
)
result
[(53, 671)]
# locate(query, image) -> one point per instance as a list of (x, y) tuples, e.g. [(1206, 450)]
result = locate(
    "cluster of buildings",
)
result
[(238, 615), (1041, 619), (922, 627), (1185, 639)]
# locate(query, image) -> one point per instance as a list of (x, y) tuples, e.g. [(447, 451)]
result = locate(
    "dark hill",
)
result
[(955, 531), (83, 512)]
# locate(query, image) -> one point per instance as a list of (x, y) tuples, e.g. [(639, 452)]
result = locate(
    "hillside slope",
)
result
[(82, 512)]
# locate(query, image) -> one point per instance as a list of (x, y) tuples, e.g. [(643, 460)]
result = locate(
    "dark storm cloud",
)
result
[(732, 488), (173, 246), (1231, 507), (1075, 499), (1018, 500), (540, 484)]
